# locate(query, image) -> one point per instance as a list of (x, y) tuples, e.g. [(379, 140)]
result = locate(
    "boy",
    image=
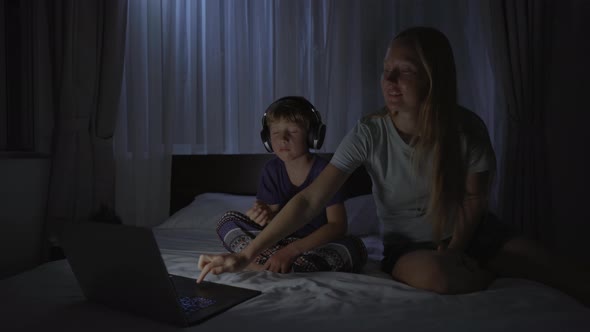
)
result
[(290, 127)]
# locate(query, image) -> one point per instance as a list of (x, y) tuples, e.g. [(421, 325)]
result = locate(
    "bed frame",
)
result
[(196, 174)]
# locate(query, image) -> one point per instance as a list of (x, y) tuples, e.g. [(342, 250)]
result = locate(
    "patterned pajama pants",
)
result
[(348, 254)]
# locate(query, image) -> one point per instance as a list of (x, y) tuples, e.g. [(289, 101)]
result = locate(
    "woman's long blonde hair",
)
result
[(438, 126)]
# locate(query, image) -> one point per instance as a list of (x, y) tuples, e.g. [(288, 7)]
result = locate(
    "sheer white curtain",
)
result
[(199, 74)]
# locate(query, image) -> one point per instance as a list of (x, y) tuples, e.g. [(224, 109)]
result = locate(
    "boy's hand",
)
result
[(260, 213), (282, 260)]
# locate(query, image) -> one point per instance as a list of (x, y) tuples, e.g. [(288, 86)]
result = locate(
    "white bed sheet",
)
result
[(48, 298), (372, 301)]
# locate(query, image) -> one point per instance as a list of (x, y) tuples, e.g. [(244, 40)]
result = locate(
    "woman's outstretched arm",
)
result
[(299, 211)]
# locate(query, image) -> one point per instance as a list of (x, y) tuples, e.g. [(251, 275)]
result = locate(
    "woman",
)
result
[(431, 164)]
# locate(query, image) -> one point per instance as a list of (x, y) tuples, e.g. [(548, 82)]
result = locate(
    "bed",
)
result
[(203, 187)]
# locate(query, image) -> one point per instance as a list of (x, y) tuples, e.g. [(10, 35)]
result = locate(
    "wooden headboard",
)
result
[(235, 174)]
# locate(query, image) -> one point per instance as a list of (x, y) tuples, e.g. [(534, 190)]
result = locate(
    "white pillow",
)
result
[(206, 209), (362, 216)]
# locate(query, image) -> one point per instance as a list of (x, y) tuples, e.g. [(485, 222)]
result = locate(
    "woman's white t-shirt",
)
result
[(400, 193)]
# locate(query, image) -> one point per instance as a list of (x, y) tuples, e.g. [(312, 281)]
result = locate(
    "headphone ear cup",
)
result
[(265, 140), (320, 135)]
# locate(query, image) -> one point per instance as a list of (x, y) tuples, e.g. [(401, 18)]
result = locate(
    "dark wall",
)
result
[(568, 127)]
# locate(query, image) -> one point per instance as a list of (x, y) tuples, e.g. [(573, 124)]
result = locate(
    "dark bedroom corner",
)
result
[(131, 112)]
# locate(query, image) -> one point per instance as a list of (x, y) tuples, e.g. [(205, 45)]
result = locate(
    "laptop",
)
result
[(121, 266)]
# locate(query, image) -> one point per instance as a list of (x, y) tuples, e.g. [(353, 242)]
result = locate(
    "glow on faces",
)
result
[(404, 82), (288, 139)]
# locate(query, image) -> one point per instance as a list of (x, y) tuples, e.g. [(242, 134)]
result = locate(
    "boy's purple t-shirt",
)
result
[(276, 188)]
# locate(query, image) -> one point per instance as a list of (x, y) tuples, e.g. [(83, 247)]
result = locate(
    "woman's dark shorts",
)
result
[(489, 237)]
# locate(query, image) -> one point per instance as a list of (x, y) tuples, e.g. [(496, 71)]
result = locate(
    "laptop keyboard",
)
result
[(192, 304)]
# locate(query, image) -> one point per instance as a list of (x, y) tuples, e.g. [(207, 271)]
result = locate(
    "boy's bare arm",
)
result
[(262, 213)]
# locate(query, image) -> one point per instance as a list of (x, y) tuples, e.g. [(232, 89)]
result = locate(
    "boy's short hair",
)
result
[(292, 109)]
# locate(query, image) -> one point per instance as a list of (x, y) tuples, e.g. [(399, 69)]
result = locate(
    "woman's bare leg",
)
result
[(443, 272)]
